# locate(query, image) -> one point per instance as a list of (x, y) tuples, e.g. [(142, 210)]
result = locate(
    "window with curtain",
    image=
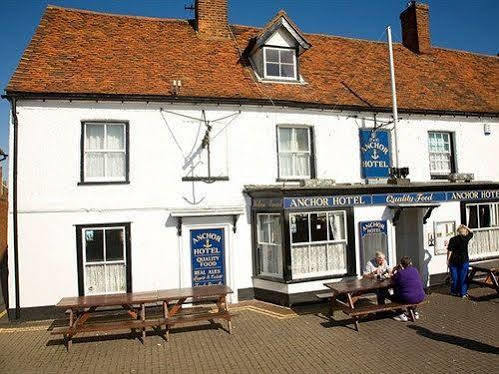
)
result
[(295, 152), (318, 244), (441, 153), (280, 63), (104, 260), (269, 245), (104, 154), (483, 219)]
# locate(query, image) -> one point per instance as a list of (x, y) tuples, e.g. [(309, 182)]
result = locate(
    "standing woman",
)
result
[(458, 261)]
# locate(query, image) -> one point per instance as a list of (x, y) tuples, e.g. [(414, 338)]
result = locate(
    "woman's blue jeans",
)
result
[(459, 279)]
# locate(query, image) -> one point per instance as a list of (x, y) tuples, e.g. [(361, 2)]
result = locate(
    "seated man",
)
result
[(378, 267), (408, 287)]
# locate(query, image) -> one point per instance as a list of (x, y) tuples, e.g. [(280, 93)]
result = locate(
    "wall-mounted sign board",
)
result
[(208, 256)]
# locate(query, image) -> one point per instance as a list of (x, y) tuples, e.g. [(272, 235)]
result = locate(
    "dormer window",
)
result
[(274, 52), (280, 63)]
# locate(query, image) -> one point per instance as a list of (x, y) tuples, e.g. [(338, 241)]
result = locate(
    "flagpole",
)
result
[(394, 96)]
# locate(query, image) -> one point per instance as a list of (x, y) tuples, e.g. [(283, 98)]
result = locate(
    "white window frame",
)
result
[(294, 152), (273, 77), (310, 242), (105, 151), (279, 246), (441, 173), (494, 212), (105, 262)]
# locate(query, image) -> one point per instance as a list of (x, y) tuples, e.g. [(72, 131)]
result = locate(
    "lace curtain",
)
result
[(105, 150), (318, 259), (294, 152), (105, 278), (485, 243), (269, 244)]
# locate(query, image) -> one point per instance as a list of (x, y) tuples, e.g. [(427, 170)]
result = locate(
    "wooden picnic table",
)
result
[(485, 274), (83, 307), (352, 289)]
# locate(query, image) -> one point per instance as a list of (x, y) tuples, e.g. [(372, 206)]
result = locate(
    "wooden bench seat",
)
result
[(107, 326), (369, 309), (131, 324)]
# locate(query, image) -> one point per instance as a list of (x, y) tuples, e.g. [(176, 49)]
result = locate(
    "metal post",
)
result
[(394, 95)]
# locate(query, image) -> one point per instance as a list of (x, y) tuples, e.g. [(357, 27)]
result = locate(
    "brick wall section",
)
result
[(415, 21), (211, 19)]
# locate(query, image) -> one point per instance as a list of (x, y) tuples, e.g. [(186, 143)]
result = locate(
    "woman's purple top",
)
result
[(408, 286)]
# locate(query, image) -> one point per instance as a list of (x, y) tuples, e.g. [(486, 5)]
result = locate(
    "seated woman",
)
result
[(408, 287)]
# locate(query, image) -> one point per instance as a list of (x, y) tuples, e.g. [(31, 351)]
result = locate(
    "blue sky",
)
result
[(458, 24)]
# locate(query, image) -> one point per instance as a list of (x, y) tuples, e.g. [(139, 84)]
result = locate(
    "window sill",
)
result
[(439, 176), (95, 183), (292, 179), (269, 278), (205, 179), (283, 81)]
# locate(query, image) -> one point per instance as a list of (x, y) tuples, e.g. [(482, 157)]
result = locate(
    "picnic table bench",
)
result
[(352, 289), (485, 273), (82, 308)]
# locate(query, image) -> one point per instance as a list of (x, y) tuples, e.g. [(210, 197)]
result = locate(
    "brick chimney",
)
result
[(211, 19), (415, 21)]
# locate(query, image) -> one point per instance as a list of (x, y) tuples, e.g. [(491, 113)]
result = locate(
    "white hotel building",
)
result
[(138, 143)]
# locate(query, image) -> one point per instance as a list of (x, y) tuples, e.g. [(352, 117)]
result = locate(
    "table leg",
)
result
[(226, 309), (71, 322), (143, 319), (471, 275), (352, 306), (494, 280), (413, 316), (330, 311), (165, 313), (177, 307)]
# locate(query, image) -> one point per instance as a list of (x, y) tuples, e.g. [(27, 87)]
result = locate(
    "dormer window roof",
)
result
[(276, 50), (282, 21)]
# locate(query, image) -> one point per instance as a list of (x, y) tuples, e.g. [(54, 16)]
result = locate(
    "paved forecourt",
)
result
[(452, 336)]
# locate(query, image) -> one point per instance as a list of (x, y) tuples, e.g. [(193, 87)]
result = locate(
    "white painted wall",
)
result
[(50, 201)]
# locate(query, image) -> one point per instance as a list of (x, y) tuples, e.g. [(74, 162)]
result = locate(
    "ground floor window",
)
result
[(269, 245), (318, 244), (103, 259), (483, 218)]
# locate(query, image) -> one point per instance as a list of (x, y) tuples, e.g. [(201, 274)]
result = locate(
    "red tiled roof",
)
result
[(83, 52)]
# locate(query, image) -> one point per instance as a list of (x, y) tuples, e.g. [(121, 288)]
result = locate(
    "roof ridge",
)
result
[(88, 11), (320, 34)]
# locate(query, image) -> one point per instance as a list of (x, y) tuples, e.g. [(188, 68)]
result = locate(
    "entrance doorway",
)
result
[(409, 237)]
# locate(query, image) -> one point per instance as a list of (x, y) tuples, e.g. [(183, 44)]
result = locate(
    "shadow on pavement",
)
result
[(456, 340)]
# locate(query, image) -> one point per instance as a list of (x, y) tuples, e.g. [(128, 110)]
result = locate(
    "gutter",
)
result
[(13, 102), (234, 101)]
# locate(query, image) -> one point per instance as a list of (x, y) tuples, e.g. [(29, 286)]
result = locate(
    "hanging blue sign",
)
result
[(208, 257), (372, 227), (374, 153)]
